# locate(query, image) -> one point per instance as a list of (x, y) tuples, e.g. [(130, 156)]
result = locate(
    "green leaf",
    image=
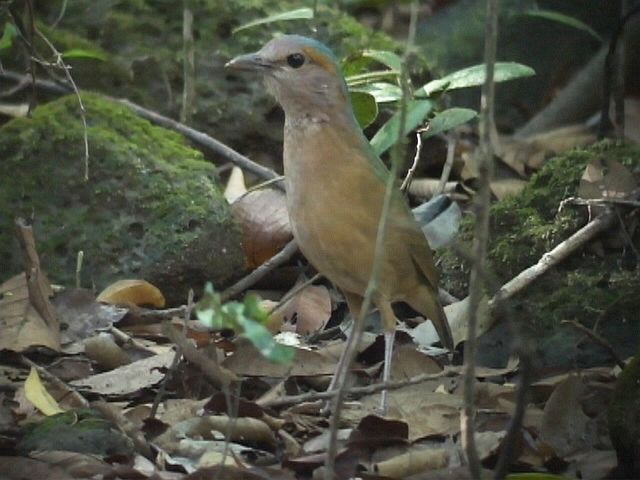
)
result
[(261, 338), (384, 138), (383, 92), (565, 20), (84, 53), (474, 76), (448, 119), (389, 59), (298, 14), (371, 77), (365, 108), (8, 34), (208, 310)]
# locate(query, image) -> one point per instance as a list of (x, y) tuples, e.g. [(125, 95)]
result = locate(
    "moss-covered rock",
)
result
[(587, 287), (624, 419), (146, 37), (151, 207)]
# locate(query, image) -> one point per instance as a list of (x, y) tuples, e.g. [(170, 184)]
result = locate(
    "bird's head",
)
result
[(303, 75)]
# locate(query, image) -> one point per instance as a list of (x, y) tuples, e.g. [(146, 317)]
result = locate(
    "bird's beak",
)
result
[(250, 61)]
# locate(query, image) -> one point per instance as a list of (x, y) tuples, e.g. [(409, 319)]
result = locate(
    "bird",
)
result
[(335, 187)]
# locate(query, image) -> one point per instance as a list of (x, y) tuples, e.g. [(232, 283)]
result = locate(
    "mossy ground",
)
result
[(590, 286), (150, 200)]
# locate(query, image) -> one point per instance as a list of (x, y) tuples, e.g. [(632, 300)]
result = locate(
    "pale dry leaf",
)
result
[(309, 310), (132, 292), (408, 362), (130, 378), (22, 326), (263, 217), (235, 185)]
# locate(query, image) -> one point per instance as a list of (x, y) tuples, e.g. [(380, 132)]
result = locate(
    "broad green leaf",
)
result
[(565, 20), (474, 76), (383, 92), (298, 14), (84, 53), (208, 310), (262, 339), (390, 59), (448, 119), (365, 108), (384, 138), (8, 33), (371, 77)]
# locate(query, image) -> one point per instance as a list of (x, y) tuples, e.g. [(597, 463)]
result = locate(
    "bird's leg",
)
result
[(354, 302), (389, 323)]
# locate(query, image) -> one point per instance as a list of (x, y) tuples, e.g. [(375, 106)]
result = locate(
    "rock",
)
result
[(624, 419), (151, 207)]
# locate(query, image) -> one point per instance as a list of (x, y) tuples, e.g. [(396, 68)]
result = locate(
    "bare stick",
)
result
[(597, 339), (358, 391), (203, 140), (188, 63), (294, 291), (356, 333), (481, 236), (278, 259), (448, 164), (514, 286), (217, 375), (407, 180), (176, 359)]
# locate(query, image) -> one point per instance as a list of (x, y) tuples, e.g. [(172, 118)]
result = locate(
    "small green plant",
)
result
[(246, 318)]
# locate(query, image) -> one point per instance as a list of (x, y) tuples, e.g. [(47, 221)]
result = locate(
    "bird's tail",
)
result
[(429, 305)]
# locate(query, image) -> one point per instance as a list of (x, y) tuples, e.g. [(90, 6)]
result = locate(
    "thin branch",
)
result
[(293, 292), (481, 235), (278, 259), (188, 63), (83, 113), (356, 333), (416, 158), (448, 164), (357, 391), (597, 339)]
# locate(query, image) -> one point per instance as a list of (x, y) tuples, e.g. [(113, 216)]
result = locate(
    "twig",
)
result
[(358, 391), (176, 359), (597, 339), (358, 327), (188, 63), (127, 339), (278, 259), (83, 113), (59, 384), (203, 140), (598, 225), (448, 164), (293, 292), (260, 186), (598, 202), (218, 375), (481, 236), (409, 177), (199, 138), (509, 444)]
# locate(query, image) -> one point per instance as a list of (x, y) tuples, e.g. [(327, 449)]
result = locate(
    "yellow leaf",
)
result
[(132, 292), (38, 395)]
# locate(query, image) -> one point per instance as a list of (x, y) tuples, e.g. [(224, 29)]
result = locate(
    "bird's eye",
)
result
[(295, 60)]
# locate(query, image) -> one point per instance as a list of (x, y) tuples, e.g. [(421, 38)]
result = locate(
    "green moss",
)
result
[(584, 287), (149, 196)]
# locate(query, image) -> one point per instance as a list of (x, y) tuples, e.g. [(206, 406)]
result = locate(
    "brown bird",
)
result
[(335, 187)]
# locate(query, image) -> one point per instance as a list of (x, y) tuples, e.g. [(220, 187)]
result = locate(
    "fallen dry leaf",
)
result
[(308, 311), (37, 394), (264, 220), (132, 292)]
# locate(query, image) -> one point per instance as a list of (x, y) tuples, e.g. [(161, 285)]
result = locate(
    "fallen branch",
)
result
[(278, 259), (597, 339), (373, 388), (600, 224)]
